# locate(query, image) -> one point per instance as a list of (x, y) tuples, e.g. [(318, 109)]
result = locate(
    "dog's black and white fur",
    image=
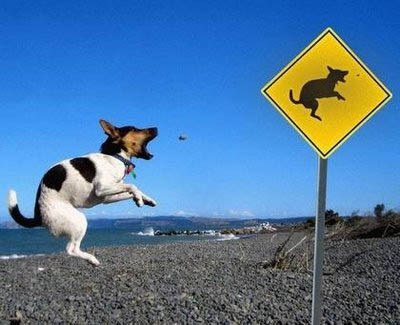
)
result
[(85, 182)]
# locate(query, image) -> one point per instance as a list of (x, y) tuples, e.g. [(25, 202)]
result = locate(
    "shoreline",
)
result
[(202, 281), (145, 239), (40, 241)]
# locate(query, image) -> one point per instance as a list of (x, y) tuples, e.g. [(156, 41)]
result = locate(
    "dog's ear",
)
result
[(109, 129), (329, 68)]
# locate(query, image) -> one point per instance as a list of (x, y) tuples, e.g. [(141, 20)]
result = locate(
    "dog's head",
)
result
[(130, 139), (336, 74)]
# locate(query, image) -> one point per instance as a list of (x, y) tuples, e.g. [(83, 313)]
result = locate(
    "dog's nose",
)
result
[(154, 131)]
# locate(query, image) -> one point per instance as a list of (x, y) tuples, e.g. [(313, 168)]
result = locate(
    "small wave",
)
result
[(146, 232), (228, 237), (16, 256), (211, 233)]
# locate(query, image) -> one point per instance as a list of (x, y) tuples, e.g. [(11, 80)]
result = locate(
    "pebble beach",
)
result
[(215, 282)]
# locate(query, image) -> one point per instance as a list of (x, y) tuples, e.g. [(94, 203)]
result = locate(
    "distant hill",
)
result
[(175, 223), (182, 223)]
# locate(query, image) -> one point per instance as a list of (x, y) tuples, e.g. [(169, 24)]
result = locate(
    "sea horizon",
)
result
[(16, 242)]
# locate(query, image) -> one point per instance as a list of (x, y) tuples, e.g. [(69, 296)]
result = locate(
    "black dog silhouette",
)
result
[(320, 88)]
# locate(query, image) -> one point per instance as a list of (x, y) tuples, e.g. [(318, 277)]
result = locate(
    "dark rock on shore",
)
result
[(202, 282)]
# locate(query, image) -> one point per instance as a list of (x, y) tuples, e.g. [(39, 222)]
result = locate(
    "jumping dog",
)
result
[(319, 88), (87, 181)]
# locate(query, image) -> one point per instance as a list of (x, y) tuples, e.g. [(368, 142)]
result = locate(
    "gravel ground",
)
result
[(203, 282)]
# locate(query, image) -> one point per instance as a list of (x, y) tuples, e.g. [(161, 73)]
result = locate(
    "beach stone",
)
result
[(223, 282)]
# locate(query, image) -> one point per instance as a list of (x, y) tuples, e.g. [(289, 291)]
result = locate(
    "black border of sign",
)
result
[(324, 155)]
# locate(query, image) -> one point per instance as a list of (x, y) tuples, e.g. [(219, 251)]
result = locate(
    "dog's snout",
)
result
[(153, 131)]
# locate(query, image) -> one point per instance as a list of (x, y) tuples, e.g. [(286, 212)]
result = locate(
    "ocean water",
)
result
[(18, 243)]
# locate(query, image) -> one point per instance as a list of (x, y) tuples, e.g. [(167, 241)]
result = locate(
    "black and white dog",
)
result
[(85, 182)]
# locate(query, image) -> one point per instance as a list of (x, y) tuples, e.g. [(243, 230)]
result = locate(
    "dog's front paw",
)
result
[(149, 201), (138, 201), (137, 197)]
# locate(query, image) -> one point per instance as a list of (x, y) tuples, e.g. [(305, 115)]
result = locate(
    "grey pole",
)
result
[(319, 240)]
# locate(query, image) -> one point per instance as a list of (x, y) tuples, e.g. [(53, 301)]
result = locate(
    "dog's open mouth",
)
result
[(145, 154), (344, 75)]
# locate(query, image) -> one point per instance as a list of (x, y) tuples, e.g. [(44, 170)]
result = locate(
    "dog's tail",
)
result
[(16, 214), (292, 99)]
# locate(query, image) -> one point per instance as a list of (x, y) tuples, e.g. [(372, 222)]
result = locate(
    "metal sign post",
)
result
[(319, 240)]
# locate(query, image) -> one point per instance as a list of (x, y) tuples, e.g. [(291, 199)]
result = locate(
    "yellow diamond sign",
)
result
[(326, 93)]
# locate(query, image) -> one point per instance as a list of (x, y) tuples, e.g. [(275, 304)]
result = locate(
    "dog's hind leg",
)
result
[(313, 105), (78, 231), (61, 218), (73, 249)]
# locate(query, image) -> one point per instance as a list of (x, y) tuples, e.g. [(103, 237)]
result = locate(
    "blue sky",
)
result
[(193, 67)]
